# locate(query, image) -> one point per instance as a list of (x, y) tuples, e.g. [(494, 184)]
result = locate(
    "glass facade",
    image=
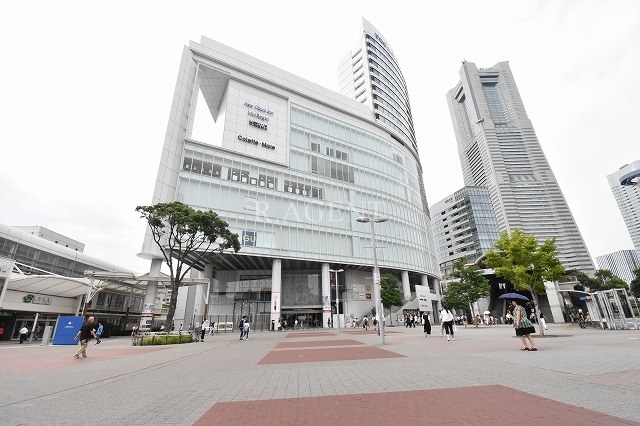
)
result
[(464, 225), (308, 210)]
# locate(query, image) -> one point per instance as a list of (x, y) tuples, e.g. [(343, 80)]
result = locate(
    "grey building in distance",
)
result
[(464, 225), (622, 263), (498, 148)]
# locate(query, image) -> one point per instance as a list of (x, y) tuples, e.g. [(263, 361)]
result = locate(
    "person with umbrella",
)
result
[(523, 326)]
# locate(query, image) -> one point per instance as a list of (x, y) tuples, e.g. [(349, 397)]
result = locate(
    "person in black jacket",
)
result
[(426, 321), (85, 334)]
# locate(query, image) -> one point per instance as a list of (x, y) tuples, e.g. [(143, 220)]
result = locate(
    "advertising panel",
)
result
[(67, 329), (423, 296)]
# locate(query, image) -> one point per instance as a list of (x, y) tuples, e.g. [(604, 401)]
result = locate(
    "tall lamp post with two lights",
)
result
[(376, 273), (337, 299)]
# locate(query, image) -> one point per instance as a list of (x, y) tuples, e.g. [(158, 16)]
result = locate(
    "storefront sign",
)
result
[(249, 238), (37, 299), (255, 142)]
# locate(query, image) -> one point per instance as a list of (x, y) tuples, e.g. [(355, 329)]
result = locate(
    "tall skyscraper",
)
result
[(371, 75), (622, 263), (498, 148), (624, 185)]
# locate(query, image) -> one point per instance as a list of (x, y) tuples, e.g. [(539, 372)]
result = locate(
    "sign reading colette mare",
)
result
[(256, 142)]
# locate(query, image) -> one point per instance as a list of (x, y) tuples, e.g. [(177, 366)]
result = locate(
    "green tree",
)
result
[(470, 287), (585, 281), (615, 282), (606, 280), (390, 294), (635, 283), (185, 237), (525, 263), (453, 296)]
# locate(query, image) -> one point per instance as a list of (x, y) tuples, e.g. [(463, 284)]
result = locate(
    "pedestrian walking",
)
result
[(241, 327), (203, 332), (523, 326), (85, 334), (543, 321), (446, 316), (23, 333), (245, 330), (99, 333), (365, 323), (426, 323)]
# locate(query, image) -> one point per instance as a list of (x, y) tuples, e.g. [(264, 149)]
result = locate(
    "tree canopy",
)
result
[(526, 264), (390, 293), (635, 283), (470, 287), (185, 234), (603, 279)]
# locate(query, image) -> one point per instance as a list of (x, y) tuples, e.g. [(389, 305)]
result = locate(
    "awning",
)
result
[(50, 285)]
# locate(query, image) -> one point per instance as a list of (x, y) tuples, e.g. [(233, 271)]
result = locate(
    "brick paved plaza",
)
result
[(311, 377)]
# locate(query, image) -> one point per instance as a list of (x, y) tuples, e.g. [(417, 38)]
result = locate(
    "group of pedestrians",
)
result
[(244, 327)]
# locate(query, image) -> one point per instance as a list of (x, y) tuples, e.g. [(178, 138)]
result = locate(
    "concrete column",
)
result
[(554, 302), (276, 290), (146, 317), (326, 295), (206, 290), (192, 308), (406, 288)]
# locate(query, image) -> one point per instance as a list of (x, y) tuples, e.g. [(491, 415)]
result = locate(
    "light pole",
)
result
[(376, 273), (337, 299)]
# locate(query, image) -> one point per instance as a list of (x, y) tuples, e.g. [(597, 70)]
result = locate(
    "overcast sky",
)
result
[(85, 94)]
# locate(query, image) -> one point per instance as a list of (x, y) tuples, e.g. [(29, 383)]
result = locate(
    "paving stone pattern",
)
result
[(482, 378)]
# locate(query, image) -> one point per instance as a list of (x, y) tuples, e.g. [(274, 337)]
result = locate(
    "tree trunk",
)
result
[(172, 305)]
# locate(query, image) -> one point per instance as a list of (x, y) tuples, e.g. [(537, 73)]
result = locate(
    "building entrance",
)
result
[(307, 318)]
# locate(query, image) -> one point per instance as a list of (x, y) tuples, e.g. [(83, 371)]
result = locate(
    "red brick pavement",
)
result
[(31, 360), (481, 405), (316, 343), (329, 354), (311, 334)]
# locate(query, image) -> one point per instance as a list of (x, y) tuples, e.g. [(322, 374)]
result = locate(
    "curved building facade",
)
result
[(290, 166), (625, 186), (371, 75)]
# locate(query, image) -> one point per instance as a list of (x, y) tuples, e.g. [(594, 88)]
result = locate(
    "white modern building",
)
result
[(291, 166), (622, 263), (464, 226), (498, 148), (42, 276), (626, 190)]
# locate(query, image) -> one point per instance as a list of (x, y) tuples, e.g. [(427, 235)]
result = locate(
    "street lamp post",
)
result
[(376, 273), (337, 299)]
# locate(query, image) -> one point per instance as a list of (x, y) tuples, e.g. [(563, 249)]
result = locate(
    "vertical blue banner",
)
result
[(67, 329)]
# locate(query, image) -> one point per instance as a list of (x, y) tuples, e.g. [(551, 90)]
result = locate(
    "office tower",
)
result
[(498, 148), (622, 263), (291, 167), (624, 185), (464, 225), (371, 75)]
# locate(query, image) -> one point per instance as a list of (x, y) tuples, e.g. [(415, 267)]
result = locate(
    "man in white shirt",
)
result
[(23, 333)]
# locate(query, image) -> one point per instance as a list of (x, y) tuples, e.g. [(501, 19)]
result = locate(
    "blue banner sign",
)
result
[(67, 329)]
